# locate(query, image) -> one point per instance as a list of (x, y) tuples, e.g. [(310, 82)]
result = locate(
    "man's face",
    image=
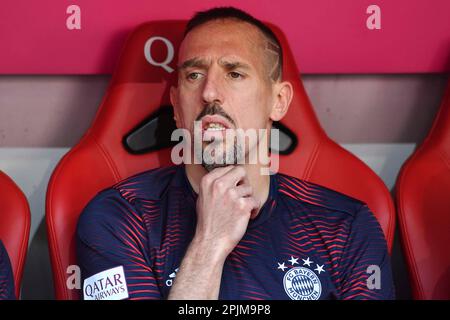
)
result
[(223, 81)]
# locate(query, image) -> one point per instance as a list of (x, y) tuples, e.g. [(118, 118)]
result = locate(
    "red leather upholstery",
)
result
[(14, 226), (137, 89), (423, 202)]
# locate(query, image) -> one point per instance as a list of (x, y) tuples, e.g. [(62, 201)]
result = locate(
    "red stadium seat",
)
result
[(423, 203), (14, 226), (137, 89)]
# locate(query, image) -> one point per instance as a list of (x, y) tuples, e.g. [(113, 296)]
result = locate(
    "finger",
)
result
[(236, 176), (219, 172), (244, 190), (243, 181), (209, 178), (255, 205), (248, 204)]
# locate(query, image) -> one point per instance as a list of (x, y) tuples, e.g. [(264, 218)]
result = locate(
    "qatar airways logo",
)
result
[(214, 145), (106, 285)]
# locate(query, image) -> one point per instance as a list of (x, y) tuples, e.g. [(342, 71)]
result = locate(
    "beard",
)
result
[(217, 154), (221, 153)]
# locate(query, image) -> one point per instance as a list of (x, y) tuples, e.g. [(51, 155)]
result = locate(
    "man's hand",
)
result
[(224, 207)]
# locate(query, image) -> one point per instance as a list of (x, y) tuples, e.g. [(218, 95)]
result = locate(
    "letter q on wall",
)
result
[(169, 56)]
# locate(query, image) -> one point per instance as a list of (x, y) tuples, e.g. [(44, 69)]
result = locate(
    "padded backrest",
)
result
[(139, 86), (423, 203), (14, 226)]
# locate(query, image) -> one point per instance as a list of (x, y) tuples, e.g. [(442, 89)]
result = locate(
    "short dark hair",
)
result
[(221, 13)]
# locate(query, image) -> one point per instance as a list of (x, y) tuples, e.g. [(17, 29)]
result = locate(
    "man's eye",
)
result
[(235, 75), (193, 76)]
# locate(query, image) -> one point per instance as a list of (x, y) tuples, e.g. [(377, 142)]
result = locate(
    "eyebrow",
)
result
[(231, 65), (193, 63), (203, 64)]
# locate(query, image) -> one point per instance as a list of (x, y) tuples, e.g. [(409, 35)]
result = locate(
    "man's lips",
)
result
[(215, 120), (214, 126)]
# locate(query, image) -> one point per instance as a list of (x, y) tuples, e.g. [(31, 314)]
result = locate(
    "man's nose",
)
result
[(212, 89)]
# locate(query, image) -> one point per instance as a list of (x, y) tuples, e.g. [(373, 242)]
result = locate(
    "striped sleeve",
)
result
[(365, 263), (111, 234), (6, 276)]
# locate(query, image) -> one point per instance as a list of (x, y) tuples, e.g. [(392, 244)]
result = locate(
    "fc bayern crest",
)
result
[(302, 284)]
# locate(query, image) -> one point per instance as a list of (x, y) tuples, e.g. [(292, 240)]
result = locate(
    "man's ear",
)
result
[(283, 97), (174, 102)]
